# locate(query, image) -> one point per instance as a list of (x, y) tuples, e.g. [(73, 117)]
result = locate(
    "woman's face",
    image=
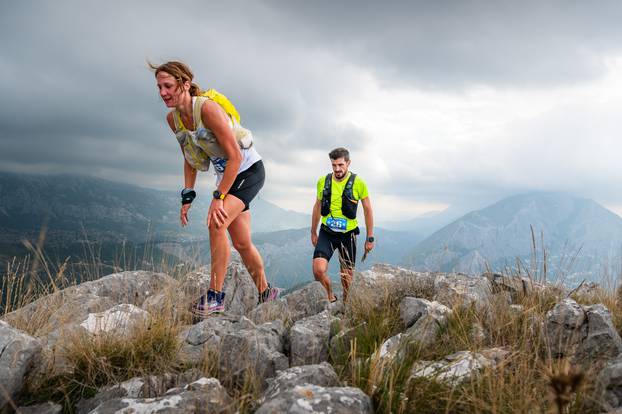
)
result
[(170, 93)]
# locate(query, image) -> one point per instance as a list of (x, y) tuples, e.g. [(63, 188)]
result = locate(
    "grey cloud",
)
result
[(76, 91), (453, 44)]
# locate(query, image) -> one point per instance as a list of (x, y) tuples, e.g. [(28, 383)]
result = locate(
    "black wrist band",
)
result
[(187, 196)]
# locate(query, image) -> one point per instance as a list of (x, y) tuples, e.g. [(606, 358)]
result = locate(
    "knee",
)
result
[(242, 246), (216, 231), (318, 272)]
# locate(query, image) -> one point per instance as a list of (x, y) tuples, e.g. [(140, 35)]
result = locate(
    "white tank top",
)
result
[(249, 156)]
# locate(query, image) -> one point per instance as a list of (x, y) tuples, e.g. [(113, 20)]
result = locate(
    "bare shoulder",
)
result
[(212, 113), (170, 120)]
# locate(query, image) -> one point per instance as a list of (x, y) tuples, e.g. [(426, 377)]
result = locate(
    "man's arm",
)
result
[(315, 220), (369, 222)]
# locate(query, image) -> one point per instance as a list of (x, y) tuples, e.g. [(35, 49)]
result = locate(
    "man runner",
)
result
[(337, 198)]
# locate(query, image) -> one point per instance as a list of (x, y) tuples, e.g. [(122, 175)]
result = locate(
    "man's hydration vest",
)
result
[(348, 202)]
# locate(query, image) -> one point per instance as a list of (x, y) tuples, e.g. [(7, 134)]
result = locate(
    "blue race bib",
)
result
[(219, 164), (337, 224)]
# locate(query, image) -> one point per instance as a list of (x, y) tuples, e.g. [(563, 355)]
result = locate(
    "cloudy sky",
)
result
[(440, 103)]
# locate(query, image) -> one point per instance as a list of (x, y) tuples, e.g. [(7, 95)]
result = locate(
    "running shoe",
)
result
[(270, 294), (211, 302)]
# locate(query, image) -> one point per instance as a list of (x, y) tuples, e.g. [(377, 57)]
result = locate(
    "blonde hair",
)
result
[(180, 71)]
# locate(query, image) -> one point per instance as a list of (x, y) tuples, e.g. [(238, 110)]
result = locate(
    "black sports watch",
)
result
[(218, 195), (371, 239)]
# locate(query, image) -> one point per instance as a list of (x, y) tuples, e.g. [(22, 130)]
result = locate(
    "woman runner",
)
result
[(207, 134)]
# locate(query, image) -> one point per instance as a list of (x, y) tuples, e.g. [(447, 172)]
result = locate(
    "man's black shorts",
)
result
[(329, 240), (248, 183)]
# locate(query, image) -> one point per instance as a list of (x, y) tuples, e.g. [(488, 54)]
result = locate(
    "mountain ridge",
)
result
[(498, 234)]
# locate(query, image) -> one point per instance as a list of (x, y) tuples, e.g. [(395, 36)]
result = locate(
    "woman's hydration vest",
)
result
[(201, 144), (348, 202)]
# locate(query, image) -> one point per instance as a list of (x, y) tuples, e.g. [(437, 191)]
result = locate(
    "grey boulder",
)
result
[(392, 282), (319, 374), (203, 337), (457, 368), (252, 350), (316, 399), (583, 333), (462, 290), (205, 395), (17, 354), (307, 301), (309, 339)]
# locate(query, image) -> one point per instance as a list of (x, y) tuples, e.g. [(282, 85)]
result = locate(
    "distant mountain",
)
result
[(580, 237), (80, 203), (101, 225), (427, 223), (73, 209), (287, 254)]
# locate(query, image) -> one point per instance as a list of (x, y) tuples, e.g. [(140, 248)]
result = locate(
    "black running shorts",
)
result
[(248, 183), (329, 240)]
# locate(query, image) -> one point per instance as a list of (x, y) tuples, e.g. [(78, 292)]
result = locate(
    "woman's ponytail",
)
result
[(195, 90)]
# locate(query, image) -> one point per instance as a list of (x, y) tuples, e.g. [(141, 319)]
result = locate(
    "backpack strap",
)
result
[(326, 192), (179, 125), (348, 202), (196, 111), (348, 189)]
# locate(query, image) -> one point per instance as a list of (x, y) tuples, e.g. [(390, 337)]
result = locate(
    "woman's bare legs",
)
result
[(219, 242), (240, 232)]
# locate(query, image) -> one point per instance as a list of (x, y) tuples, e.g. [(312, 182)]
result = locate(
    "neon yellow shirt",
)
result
[(359, 189)]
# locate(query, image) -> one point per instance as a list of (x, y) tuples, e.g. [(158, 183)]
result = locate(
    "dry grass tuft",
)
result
[(518, 383)]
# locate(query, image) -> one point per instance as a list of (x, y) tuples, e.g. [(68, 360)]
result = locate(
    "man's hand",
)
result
[(216, 213), (368, 246), (314, 239), (183, 214)]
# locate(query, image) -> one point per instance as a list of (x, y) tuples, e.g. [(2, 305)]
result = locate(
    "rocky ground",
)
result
[(126, 343)]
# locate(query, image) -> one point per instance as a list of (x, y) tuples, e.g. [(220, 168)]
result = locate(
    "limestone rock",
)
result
[(252, 350), (602, 341), (565, 328), (425, 330), (583, 333), (319, 374), (205, 395), (462, 290), (316, 399), (411, 309), (385, 281), (17, 353), (455, 368), (64, 309), (140, 387), (204, 337), (307, 301), (609, 386), (119, 320), (309, 339)]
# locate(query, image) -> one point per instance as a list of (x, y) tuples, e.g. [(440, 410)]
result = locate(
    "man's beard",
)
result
[(340, 174)]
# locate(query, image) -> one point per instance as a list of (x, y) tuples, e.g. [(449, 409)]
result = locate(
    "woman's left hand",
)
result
[(217, 213)]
